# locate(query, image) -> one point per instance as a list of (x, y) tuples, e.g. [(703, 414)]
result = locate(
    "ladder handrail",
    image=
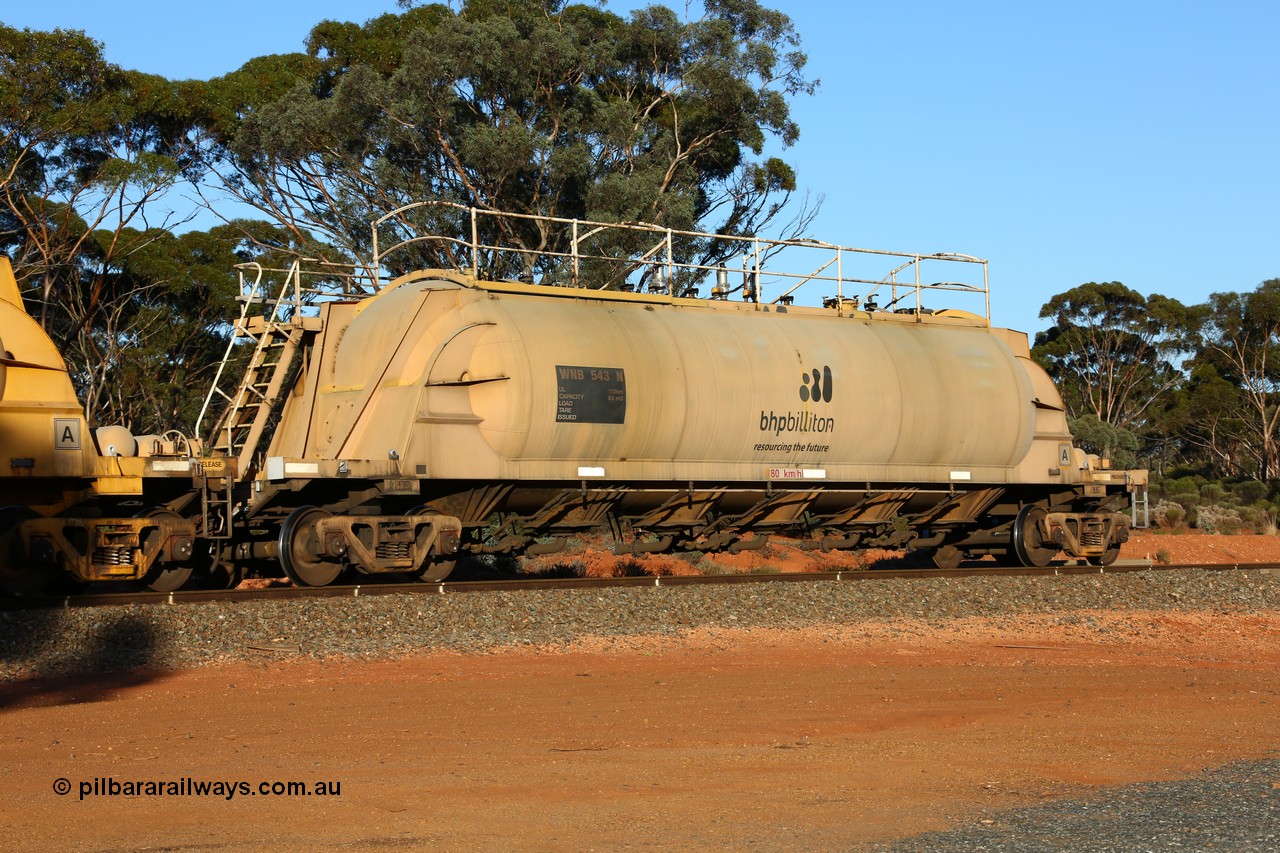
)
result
[(289, 296), (241, 323)]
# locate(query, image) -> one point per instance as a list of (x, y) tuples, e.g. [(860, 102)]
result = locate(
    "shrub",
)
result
[(1262, 518), (1180, 486), (1169, 515), (1216, 519), (1259, 517), (1249, 491), (1212, 493), (1184, 491)]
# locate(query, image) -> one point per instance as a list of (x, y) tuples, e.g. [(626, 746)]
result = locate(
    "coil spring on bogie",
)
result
[(118, 556), (394, 550), (1092, 539)]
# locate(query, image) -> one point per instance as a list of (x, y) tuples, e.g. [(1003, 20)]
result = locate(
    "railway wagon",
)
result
[(392, 430), (75, 502)]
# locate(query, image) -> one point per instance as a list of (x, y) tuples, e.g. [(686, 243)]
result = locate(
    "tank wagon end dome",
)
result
[(8, 293), (8, 284), (26, 346)]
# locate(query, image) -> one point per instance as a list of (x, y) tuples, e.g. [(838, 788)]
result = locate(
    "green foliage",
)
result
[(527, 107), (1215, 507), (1260, 518), (1203, 419), (83, 143), (1249, 491), (1212, 493), (87, 151), (1111, 350), (1181, 488), (1118, 445), (146, 362), (1195, 385), (1241, 343)]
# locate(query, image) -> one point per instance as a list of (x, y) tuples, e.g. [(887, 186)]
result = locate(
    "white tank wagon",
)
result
[(448, 414)]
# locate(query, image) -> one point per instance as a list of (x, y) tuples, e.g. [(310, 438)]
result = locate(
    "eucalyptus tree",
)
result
[(88, 153), (525, 106), (1242, 342), (91, 158), (1114, 353), (1205, 425)]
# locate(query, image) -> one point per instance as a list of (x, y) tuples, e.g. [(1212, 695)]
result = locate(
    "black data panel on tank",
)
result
[(590, 395)]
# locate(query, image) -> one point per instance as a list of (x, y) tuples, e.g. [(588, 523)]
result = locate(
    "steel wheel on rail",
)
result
[(20, 576), (213, 572), (1029, 546), (301, 551), (164, 577), (948, 557), (438, 566), (437, 569), (1108, 557)]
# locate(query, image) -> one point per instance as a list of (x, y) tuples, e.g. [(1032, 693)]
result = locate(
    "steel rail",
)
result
[(284, 593)]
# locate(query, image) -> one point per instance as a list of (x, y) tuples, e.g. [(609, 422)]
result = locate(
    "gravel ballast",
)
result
[(1234, 808), (40, 643)]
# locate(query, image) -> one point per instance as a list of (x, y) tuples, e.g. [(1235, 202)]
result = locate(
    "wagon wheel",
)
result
[(302, 552), (164, 577), (212, 568), (1108, 557), (19, 576), (438, 566), (1029, 546), (947, 557)]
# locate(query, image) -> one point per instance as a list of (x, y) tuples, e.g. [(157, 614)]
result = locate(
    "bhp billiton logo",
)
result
[(815, 387), (820, 389)]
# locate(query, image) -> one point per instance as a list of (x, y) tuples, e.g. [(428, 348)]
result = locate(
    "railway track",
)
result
[(280, 593)]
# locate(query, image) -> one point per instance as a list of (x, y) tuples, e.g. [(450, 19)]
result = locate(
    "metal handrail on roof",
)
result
[(640, 255)]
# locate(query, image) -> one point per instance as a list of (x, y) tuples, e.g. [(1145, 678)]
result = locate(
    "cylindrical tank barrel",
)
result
[(473, 383)]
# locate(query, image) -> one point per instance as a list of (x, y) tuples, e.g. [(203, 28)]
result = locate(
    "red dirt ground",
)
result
[(1182, 547), (724, 740)]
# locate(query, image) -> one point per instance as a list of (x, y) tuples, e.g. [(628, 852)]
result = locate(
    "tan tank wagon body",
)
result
[(674, 415), (393, 426)]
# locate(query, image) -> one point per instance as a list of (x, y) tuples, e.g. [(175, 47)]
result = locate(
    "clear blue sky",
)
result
[(1128, 140)]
